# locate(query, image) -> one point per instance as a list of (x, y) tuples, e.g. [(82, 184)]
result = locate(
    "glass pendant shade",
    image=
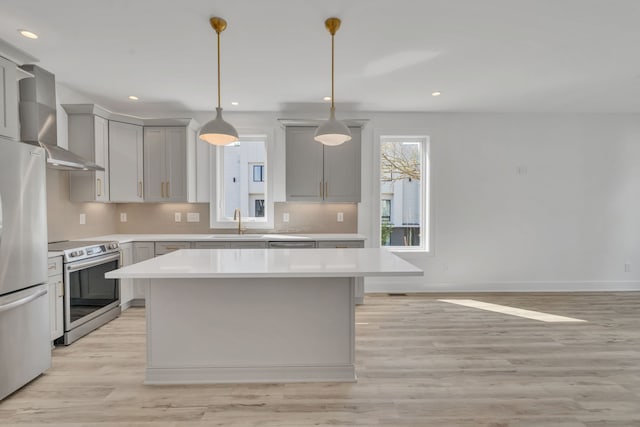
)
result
[(332, 132), (218, 131)]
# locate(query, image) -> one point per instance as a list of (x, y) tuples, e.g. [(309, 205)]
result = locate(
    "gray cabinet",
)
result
[(169, 164), (8, 99), (125, 162), (316, 172), (166, 247), (89, 138), (141, 251), (55, 289), (126, 285)]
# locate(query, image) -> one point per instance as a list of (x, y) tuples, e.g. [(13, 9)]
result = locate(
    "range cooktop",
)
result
[(79, 249)]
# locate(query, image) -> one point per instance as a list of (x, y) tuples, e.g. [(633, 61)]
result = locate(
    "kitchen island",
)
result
[(255, 315)]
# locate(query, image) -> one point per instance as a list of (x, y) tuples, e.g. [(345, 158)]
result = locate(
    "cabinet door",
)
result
[(340, 244), (56, 304), (342, 170), (101, 129), (125, 162), (176, 155), (211, 245), (126, 285), (141, 251), (304, 165), (247, 245), (154, 165), (8, 99)]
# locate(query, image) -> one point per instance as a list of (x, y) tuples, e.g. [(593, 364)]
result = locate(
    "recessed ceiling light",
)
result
[(235, 103), (436, 93), (133, 97), (326, 98), (28, 34)]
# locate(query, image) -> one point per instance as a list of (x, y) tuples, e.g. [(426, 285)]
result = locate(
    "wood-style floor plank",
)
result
[(420, 362)]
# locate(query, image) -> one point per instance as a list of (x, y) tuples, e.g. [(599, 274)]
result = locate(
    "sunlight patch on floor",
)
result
[(528, 314)]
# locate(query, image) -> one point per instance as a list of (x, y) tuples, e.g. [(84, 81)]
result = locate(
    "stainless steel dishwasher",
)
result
[(292, 245)]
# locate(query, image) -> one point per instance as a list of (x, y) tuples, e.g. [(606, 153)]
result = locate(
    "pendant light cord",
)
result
[(332, 60), (218, 69)]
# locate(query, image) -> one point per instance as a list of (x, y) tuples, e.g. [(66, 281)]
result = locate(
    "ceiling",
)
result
[(489, 55)]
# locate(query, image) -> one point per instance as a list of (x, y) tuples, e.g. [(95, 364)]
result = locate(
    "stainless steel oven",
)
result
[(90, 300)]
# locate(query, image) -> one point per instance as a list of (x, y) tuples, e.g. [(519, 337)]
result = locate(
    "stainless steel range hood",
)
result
[(38, 120)]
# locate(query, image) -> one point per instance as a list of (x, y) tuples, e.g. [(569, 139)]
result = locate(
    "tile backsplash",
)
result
[(105, 218)]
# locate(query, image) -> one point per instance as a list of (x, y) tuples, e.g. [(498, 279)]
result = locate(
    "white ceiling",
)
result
[(483, 55)]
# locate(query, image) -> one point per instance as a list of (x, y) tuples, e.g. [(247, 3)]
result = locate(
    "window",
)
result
[(403, 192), (258, 173), (259, 208), (240, 182)]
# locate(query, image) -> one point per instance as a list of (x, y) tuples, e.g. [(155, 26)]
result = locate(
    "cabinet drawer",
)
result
[(341, 244), (54, 266), (247, 245), (211, 245), (166, 247)]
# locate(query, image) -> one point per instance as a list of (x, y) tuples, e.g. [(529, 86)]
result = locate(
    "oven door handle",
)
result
[(75, 266)]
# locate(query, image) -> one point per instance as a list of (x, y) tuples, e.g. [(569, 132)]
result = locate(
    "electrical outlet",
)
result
[(83, 219), (123, 217), (193, 217), (177, 217), (285, 217), (340, 217)]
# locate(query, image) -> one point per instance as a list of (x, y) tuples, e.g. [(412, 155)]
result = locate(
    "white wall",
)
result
[(570, 219)]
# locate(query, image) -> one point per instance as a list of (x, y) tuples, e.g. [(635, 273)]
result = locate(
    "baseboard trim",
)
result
[(266, 374), (380, 286), (137, 302)]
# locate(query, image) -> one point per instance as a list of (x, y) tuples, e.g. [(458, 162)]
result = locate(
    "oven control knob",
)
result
[(76, 253), (113, 246)]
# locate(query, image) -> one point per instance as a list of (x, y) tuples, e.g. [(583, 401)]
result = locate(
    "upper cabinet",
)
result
[(8, 99), (316, 172), (89, 138), (126, 162), (169, 164)]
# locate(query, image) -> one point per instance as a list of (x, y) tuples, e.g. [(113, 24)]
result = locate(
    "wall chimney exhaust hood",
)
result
[(38, 120)]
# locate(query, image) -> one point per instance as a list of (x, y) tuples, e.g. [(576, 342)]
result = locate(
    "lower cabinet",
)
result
[(231, 245), (56, 297), (141, 252), (126, 285)]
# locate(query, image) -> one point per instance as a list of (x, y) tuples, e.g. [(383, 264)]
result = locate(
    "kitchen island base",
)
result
[(250, 330)]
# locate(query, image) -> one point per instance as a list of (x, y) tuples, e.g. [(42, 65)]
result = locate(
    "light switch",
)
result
[(83, 219), (340, 217), (177, 217), (193, 217), (285, 217), (123, 217)]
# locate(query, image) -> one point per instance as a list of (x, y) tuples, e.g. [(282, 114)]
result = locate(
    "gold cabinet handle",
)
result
[(99, 186), (140, 189)]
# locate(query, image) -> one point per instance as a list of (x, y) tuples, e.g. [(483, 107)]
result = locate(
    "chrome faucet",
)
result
[(237, 215)]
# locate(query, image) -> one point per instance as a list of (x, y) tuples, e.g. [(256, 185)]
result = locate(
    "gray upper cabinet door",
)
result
[(154, 165), (8, 99), (176, 163), (89, 138), (304, 165), (125, 162), (169, 164), (342, 170), (321, 173)]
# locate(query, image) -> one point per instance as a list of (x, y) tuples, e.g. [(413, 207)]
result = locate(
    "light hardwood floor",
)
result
[(420, 362)]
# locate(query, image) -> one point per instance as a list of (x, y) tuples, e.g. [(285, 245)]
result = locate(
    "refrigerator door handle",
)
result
[(36, 293)]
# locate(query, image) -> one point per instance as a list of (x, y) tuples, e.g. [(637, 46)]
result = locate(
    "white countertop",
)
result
[(53, 254), (257, 263), (127, 238)]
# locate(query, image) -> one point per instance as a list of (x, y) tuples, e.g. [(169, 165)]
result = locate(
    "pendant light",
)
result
[(332, 132), (218, 131)]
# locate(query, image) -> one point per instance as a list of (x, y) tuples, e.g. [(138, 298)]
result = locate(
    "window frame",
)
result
[(216, 163), (426, 228)]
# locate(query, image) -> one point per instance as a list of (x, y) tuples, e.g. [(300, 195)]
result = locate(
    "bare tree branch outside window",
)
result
[(398, 162)]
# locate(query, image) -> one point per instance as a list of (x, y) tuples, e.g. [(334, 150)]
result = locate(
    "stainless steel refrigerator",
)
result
[(25, 340)]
